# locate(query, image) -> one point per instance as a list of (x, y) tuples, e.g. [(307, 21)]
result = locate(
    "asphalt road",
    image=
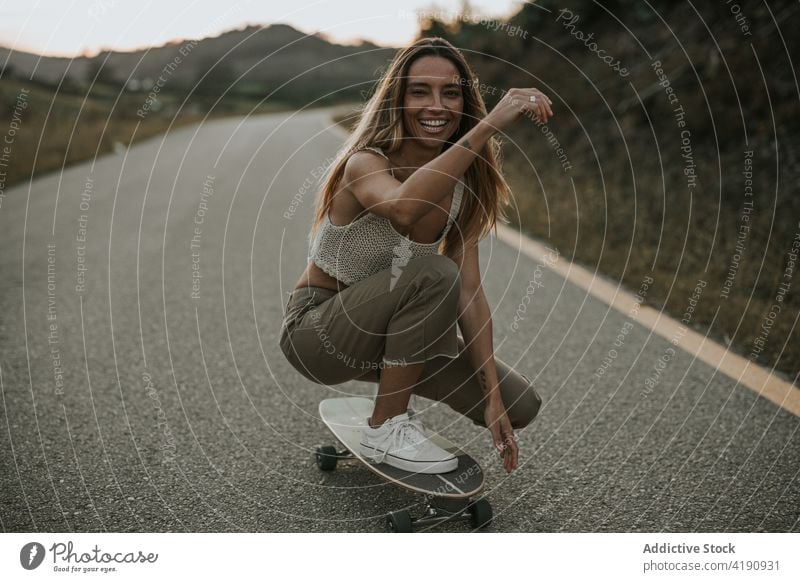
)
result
[(143, 390)]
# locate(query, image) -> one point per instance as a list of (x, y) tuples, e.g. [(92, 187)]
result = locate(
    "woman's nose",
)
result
[(436, 104)]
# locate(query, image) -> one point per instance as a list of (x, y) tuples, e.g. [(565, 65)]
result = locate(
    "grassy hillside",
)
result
[(275, 62), (74, 109), (54, 129), (643, 188)]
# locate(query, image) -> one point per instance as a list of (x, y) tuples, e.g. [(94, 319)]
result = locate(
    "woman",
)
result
[(377, 301)]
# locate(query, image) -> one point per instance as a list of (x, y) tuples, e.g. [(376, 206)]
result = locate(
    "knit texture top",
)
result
[(369, 244)]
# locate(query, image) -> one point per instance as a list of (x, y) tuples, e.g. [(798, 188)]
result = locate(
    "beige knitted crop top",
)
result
[(369, 244)]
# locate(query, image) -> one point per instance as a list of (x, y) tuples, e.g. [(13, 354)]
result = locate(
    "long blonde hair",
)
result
[(380, 125)]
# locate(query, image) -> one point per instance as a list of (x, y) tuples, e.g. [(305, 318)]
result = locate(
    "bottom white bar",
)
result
[(389, 557)]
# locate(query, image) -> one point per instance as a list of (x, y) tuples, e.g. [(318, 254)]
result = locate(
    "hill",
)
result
[(276, 61), (68, 110), (673, 153)]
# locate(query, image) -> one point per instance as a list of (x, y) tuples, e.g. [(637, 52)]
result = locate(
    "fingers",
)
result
[(505, 442), (506, 445), (511, 454), (514, 455), (542, 107), (512, 449), (546, 103)]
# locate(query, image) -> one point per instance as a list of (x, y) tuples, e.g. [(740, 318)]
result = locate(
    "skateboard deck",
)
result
[(345, 417)]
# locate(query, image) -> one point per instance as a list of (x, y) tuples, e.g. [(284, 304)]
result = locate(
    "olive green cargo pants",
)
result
[(401, 315)]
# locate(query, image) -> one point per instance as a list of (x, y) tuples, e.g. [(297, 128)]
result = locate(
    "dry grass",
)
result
[(659, 230), (625, 208), (60, 129)]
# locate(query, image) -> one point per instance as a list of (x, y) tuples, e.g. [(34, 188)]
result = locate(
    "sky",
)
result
[(74, 27)]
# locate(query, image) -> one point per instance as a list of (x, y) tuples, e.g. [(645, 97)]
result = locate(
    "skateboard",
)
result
[(449, 496)]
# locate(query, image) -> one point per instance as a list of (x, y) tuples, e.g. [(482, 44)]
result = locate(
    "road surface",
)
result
[(143, 389)]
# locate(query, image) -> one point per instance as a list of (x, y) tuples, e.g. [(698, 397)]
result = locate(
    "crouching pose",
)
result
[(394, 270)]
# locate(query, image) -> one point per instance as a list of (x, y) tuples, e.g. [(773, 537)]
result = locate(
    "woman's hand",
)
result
[(505, 441), (515, 104)]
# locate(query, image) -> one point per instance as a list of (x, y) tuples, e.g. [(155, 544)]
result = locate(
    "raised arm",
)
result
[(367, 177)]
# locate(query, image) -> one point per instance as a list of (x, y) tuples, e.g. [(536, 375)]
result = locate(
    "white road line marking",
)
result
[(757, 378)]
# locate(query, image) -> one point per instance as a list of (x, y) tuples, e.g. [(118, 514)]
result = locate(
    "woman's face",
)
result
[(433, 101)]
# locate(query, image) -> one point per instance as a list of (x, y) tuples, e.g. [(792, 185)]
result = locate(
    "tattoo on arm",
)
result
[(482, 380), (466, 145)]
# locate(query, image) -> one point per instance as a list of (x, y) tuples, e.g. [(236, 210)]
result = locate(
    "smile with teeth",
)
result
[(433, 125)]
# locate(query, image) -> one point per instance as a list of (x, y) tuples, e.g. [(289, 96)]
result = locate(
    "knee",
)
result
[(524, 407), (437, 270), (445, 266), (283, 340)]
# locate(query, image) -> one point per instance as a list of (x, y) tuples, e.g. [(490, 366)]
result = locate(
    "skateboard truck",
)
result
[(437, 510), (327, 457), (440, 510)]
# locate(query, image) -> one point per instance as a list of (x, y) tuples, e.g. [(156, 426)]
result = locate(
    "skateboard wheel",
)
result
[(480, 514), (326, 458), (399, 522)]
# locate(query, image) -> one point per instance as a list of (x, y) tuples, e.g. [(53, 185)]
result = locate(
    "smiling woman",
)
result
[(394, 268)]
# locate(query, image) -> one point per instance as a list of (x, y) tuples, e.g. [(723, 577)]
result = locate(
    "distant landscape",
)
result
[(673, 157), (78, 108)]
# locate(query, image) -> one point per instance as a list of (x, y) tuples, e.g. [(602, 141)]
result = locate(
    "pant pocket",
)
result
[(293, 315), (297, 311)]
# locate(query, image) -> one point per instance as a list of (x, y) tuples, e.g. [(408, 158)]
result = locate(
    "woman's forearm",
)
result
[(432, 182), (475, 321)]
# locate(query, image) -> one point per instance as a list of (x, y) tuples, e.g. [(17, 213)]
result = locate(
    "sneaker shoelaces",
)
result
[(408, 432)]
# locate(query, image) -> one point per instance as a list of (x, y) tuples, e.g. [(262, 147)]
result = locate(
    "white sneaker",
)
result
[(401, 442)]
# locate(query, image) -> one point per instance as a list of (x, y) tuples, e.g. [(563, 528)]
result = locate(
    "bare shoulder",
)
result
[(364, 163), (368, 179)]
